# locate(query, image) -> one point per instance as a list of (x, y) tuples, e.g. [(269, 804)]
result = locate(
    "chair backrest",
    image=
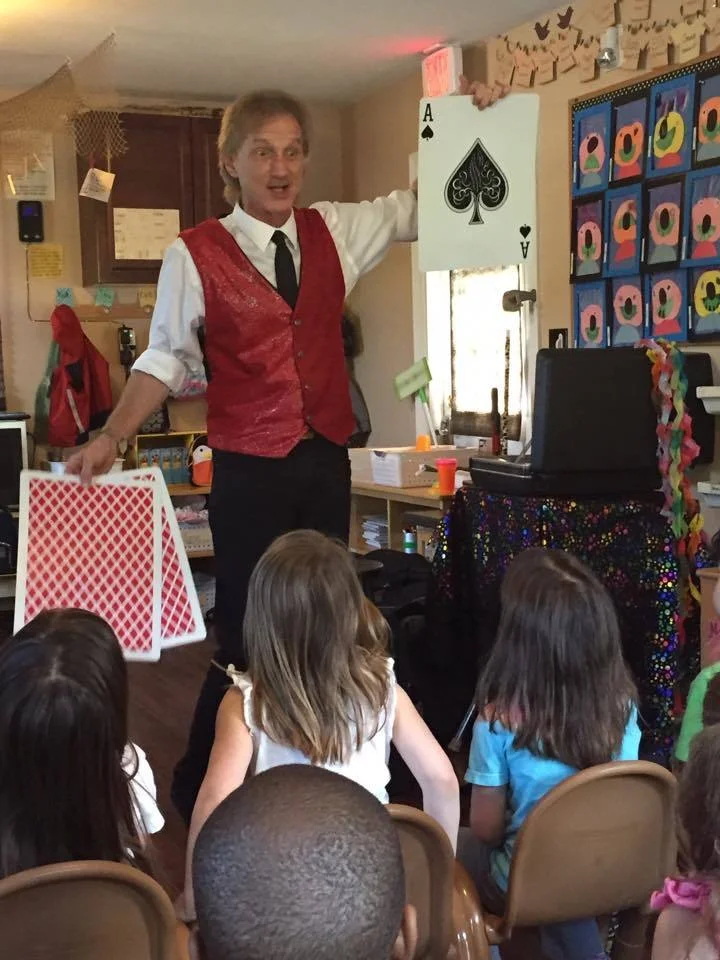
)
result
[(88, 910), (601, 841), (429, 875)]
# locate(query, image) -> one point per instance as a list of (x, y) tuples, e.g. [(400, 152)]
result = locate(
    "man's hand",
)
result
[(483, 96), (94, 458)]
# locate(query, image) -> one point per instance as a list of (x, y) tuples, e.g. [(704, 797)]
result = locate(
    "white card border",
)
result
[(26, 476)]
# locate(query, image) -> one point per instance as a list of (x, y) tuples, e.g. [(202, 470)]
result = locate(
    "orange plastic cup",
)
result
[(423, 443), (446, 469)]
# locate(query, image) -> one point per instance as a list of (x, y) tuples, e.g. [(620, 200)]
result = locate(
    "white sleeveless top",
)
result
[(367, 766)]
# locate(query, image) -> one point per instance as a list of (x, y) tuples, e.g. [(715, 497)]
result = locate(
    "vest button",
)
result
[(300, 354), (297, 321), (306, 386)]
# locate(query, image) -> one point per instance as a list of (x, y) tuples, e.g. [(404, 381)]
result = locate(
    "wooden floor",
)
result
[(162, 700)]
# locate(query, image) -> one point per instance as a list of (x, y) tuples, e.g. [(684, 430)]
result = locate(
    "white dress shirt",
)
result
[(363, 233)]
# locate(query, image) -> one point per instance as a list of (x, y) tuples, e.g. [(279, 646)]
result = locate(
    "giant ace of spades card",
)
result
[(477, 182)]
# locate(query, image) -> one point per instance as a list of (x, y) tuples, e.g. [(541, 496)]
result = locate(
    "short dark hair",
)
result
[(556, 674), (299, 864)]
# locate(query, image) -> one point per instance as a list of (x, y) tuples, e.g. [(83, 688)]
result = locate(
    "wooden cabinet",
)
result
[(207, 183), (170, 164)]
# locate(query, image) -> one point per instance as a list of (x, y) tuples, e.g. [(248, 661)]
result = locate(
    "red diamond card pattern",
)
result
[(176, 617), (92, 547)]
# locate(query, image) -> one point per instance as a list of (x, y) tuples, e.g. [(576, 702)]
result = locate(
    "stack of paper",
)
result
[(375, 531)]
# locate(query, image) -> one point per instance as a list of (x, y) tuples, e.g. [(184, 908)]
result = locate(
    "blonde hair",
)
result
[(243, 117), (316, 649)]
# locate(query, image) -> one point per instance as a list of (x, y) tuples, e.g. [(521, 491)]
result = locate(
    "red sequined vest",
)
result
[(275, 372)]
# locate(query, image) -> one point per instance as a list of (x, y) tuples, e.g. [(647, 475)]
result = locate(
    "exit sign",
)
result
[(440, 72)]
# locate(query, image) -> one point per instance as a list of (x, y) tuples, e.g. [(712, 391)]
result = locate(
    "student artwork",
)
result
[(628, 314), (591, 159), (590, 315), (629, 126), (702, 217), (663, 242), (587, 250), (707, 129), (622, 216), (666, 294), (671, 125), (705, 302)]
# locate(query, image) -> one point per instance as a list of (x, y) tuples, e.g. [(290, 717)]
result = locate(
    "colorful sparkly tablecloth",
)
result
[(628, 543)]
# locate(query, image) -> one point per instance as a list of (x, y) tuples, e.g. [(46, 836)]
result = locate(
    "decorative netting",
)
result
[(80, 97)]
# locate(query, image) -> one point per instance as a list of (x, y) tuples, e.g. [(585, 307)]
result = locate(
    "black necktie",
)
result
[(285, 276)]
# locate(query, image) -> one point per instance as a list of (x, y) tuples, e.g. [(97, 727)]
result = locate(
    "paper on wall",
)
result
[(27, 162), (46, 261), (97, 185), (144, 234)]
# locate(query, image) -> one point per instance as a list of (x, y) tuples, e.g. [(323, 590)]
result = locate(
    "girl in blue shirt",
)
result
[(555, 697)]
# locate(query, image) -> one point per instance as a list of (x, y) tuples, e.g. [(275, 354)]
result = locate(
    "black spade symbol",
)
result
[(427, 133), (476, 182), (525, 232)]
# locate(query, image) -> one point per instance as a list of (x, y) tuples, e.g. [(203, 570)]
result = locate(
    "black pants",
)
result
[(253, 501)]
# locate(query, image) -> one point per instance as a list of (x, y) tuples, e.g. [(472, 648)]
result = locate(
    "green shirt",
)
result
[(692, 722)]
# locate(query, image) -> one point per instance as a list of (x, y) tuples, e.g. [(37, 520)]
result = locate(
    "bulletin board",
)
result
[(645, 210)]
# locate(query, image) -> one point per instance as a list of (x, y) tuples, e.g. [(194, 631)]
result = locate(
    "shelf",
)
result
[(187, 490), (710, 396)]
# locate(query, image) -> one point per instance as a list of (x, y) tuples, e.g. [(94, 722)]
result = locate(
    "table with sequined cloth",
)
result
[(627, 542)]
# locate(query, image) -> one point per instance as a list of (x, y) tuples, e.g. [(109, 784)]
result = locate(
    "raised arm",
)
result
[(173, 351)]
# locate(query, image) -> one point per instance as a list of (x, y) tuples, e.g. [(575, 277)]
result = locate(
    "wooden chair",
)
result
[(596, 845), (450, 919), (88, 910)]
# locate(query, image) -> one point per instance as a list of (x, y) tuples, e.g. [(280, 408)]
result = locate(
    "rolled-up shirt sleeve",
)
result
[(364, 232), (174, 350)]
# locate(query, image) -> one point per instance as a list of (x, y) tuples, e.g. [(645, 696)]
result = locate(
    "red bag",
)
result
[(80, 392)]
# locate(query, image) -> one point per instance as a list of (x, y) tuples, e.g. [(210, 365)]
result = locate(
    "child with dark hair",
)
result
[(71, 785), (689, 924), (555, 697), (301, 864)]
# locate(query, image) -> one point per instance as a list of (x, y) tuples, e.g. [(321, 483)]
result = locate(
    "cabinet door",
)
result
[(207, 182), (155, 173)]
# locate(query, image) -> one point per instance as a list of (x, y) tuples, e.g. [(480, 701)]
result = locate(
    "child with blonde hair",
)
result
[(319, 689)]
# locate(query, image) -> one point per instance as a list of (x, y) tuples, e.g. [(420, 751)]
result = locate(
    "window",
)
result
[(486, 350)]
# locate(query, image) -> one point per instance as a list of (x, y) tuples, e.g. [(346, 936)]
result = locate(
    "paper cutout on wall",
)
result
[(590, 315), (64, 296), (628, 312), (629, 133), (707, 141), (666, 293), (587, 238), (591, 161), (623, 217), (663, 241), (702, 216), (705, 302), (104, 297), (671, 125)]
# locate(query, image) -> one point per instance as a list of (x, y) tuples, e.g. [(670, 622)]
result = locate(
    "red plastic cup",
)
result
[(446, 469)]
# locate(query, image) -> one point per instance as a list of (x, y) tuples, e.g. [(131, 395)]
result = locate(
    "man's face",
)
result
[(270, 166)]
